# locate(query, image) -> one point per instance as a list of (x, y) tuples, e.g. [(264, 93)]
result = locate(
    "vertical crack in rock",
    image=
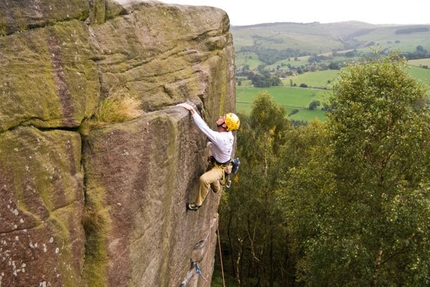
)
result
[(61, 82)]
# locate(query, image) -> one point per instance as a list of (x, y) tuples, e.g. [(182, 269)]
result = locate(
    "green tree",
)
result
[(358, 211), (250, 224), (314, 104), (305, 181)]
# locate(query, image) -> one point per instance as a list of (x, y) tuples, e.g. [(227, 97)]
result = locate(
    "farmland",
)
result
[(290, 98), (309, 50), (300, 98)]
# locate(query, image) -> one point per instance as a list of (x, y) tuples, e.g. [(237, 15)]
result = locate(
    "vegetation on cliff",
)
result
[(111, 110)]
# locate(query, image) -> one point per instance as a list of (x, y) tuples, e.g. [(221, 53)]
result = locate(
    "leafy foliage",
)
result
[(250, 221), (367, 219), (343, 202), (265, 80)]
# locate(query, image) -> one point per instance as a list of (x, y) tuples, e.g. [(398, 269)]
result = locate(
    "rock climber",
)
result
[(222, 147)]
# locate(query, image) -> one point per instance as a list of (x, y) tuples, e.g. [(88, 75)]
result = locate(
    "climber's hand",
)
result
[(186, 106)]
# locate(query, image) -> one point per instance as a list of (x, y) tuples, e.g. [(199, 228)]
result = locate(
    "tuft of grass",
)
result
[(110, 111)]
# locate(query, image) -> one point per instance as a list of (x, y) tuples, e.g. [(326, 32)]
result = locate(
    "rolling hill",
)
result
[(254, 43), (310, 55)]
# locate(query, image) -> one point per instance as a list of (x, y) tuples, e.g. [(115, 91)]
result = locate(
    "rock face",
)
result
[(107, 207)]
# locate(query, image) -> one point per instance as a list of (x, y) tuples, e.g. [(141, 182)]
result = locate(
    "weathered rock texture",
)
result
[(108, 208)]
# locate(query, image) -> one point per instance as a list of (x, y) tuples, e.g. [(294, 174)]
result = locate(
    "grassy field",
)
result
[(420, 62), (421, 74), (388, 38), (289, 97), (320, 79), (300, 98), (322, 39)]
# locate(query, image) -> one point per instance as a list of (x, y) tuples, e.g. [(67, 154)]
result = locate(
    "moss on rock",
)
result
[(17, 16), (48, 77), (96, 222)]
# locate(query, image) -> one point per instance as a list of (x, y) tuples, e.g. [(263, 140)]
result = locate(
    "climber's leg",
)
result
[(207, 179)]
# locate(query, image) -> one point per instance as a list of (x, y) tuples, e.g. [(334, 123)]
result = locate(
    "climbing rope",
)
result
[(219, 247), (198, 271), (220, 259)]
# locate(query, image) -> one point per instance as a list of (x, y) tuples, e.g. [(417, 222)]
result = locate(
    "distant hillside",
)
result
[(270, 43)]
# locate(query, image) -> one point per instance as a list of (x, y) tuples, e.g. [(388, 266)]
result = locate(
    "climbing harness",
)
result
[(230, 167)]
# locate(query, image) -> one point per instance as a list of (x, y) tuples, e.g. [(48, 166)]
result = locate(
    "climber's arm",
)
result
[(200, 123)]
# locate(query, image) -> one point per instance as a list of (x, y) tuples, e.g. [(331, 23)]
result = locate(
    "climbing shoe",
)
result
[(192, 206)]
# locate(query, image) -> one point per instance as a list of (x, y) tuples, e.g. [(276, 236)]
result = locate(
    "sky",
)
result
[(323, 11)]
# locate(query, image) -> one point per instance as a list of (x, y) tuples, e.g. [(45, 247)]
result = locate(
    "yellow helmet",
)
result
[(232, 122)]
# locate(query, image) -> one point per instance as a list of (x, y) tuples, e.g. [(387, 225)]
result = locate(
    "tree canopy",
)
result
[(343, 202)]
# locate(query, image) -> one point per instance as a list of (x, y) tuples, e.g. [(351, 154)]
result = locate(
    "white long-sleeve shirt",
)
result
[(222, 142)]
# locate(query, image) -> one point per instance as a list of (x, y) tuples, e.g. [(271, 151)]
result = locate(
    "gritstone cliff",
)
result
[(103, 204)]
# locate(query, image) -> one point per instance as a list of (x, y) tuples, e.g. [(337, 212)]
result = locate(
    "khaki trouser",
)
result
[(210, 178)]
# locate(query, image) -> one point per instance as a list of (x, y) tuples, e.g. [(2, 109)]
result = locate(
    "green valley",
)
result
[(298, 63)]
